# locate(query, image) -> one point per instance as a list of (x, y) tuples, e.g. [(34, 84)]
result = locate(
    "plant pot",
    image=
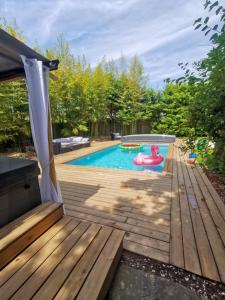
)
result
[(191, 161), (191, 158), (192, 155)]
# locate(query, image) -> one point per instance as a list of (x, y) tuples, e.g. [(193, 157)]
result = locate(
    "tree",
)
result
[(175, 102), (207, 111), (14, 116), (131, 98)]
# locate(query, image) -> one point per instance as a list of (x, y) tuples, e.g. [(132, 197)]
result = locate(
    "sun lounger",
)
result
[(62, 145)]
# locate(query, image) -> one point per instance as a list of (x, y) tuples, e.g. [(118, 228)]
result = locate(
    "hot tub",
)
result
[(19, 188)]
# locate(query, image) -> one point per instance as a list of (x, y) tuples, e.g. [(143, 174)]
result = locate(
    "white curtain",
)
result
[(37, 77)]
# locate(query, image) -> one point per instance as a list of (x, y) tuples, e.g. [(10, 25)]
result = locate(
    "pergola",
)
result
[(18, 61)]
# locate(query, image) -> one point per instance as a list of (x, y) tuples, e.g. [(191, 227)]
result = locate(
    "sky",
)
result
[(160, 33)]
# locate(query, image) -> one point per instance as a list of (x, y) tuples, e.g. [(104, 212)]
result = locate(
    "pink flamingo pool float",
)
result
[(149, 160)]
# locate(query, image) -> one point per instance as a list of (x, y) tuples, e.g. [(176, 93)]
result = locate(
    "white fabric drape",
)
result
[(37, 77)]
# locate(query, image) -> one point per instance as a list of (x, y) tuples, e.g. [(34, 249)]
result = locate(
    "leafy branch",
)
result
[(203, 24)]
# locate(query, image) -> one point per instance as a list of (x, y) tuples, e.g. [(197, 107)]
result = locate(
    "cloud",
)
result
[(159, 32)]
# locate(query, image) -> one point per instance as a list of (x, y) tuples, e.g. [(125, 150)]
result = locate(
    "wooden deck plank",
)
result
[(146, 241), (54, 282), (72, 257), (122, 226), (176, 239), (207, 262), (117, 174), (113, 217), (14, 283), (151, 210), (191, 258), (120, 210), (76, 279), (22, 228), (148, 225), (22, 219), (146, 251), (113, 191), (128, 184), (111, 180), (103, 270), (145, 210), (220, 204), (127, 187), (30, 287), (95, 202), (103, 192), (27, 254), (127, 202), (112, 175), (22, 236), (150, 213), (214, 211), (213, 236)]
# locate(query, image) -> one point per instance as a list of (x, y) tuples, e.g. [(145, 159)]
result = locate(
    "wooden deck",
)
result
[(175, 217), (20, 233), (197, 222), (73, 259)]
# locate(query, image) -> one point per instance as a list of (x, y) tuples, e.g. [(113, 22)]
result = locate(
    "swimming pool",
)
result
[(114, 158)]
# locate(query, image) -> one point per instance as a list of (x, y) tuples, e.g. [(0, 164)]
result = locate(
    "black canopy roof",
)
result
[(11, 65)]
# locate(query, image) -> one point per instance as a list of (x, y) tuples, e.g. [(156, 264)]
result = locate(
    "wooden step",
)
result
[(74, 259), (20, 233)]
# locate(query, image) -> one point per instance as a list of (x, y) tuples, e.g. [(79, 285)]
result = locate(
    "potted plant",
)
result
[(192, 155), (189, 148), (202, 146)]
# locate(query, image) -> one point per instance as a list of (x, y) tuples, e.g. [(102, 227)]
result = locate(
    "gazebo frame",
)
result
[(12, 68), (11, 65)]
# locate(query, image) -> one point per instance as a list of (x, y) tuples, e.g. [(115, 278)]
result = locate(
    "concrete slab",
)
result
[(133, 284)]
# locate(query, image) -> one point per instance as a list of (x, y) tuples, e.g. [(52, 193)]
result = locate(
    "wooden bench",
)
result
[(73, 259), (20, 233)]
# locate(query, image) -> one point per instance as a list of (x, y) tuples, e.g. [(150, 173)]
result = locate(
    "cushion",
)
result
[(56, 141), (65, 145), (76, 139), (85, 140)]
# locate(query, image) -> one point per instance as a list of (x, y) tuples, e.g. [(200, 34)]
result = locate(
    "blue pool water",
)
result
[(114, 158)]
